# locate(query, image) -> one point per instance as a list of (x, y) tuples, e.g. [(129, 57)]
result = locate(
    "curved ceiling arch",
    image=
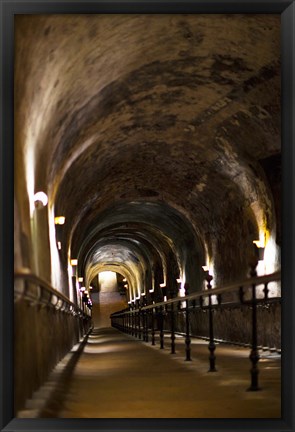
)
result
[(156, 244), (153, 218), (184, 126), (139, 244), (109, 252), (124, 270)]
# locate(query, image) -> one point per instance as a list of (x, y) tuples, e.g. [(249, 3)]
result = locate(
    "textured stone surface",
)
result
[(157, 137), (147, 108)]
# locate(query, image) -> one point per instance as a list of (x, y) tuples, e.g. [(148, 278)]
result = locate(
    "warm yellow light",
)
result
[(162, 285), (178, 280), (74, 262), (124, 280), (165, 298), (259, 243), (107, 276), (83, 288), (80, 279), (90, 288), (205, 268), (59, 245), (59, 220), (125, 286), (40, 197)]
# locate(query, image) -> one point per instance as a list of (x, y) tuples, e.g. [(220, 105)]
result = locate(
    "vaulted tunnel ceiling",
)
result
[(159, 121)]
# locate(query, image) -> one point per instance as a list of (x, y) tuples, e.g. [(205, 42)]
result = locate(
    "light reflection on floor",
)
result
[(118, 376)]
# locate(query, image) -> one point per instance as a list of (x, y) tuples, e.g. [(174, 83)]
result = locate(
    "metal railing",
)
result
[(43, 294), (140, 320), (47, 326)]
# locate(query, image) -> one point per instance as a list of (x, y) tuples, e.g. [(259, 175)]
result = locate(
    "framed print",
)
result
[(147, 208)]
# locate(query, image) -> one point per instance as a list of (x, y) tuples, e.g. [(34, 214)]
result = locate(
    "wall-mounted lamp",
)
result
[(40, 200), (59, 220), (162, 285), (259, 249), (80, 279), (74, 262), (178, 280), (124, 280)]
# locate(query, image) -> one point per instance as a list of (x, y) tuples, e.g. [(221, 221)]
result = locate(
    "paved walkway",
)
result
[(118, 376)]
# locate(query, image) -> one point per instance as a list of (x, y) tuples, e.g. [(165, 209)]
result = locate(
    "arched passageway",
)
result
[(157, 148)]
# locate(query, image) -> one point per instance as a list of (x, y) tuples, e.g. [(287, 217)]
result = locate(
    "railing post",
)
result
[(187, 327), (254, 356), (211, 346), (145, 320), (172, 326), (129, 321), (139, 321), (153, 325), (161, 327), (135, 321), (132, 320), (147, 325)]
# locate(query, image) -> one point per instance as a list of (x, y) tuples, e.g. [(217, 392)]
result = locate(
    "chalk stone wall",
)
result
[(104, 304), (235, 324)]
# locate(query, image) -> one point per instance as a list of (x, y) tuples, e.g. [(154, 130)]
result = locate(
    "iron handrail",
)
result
[(258, 280), (140, 322), (26, 274)]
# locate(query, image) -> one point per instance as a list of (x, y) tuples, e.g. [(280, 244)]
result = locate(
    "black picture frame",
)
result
[(287, 11)]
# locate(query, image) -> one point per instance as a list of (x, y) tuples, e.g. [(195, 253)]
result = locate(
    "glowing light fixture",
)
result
[(178, 280), (74, 262), (90, 287), (165, 298), (259, 243), (205, 268), (162, 285), (59, 220), (124, 280), (260, 249), (125, 286), (59, 245), (40, 199), (80, 279), (82, 289)]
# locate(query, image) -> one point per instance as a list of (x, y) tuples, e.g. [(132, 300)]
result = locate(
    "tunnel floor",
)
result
[(118, 376)]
